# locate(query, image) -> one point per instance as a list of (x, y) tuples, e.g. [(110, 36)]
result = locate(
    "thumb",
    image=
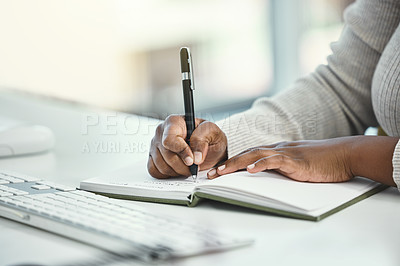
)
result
[(174, 135), (202, 137), (173, 138)]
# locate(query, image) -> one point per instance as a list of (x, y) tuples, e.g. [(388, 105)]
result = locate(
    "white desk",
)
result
[(367, 233)]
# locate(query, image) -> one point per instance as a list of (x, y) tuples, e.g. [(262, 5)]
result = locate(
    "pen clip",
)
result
[(190, 62), (187, 66)]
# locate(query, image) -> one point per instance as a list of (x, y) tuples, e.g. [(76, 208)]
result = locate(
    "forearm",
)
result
[(371, 157)]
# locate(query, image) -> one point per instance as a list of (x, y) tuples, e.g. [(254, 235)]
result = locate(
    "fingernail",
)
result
[(188, 161), (212, 172), (197, 157), (251, 166), (222, 167)]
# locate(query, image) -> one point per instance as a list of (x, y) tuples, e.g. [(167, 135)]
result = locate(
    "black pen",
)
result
[(188, 87)]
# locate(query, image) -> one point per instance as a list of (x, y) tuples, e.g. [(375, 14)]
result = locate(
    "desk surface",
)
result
[(91, 141)]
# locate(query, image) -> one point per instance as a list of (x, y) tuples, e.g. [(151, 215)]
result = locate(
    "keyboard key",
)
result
[(5, 194), (47, 183), (20, 176), (41, 187), (64, 188), (3, 187), (29, 178), (3, 182), (8, 200), (12, 179), (55, 185), (20, 192)]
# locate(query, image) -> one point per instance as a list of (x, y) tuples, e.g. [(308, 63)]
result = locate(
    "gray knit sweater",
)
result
[(359, 88)]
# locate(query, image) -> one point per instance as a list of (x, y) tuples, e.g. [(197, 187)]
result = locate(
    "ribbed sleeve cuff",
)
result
[(396, 165)]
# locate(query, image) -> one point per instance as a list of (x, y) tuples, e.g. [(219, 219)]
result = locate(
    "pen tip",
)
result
[(194, 177)]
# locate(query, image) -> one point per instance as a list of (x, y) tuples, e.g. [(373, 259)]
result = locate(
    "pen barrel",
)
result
[(189, 108)]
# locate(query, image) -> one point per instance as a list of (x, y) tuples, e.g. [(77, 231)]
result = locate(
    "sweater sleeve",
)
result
[(333, 101), (396, 165)]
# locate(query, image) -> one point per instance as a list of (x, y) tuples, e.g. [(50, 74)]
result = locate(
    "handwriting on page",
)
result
[(172, 184)]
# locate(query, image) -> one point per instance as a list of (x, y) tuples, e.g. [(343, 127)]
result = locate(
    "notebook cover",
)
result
[(199, 196), (145, 199)]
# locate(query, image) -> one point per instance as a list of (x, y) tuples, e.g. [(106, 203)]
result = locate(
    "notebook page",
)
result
[(136, 181), (143, 180), (308, 196)]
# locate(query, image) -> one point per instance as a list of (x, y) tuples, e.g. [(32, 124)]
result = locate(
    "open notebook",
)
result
[(267, 191)]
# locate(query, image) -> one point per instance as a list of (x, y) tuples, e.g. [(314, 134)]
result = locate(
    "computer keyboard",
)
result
[(117, 227)]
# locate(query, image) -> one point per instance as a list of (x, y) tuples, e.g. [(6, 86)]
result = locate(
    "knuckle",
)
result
[(154, 142), (207, 125), (232, 161), (169, 118), (198, 144), (167, 141), (211, 128), (200, 121), (172, 119), (263, 161), (258, 151), (184, 153), (159, 129), (282, 159), (196, 138)]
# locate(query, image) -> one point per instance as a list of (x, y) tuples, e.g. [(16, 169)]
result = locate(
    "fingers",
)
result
[(200, 149), (173, 139), (207, 134), (279, 162), (240, 161), (174, 162), (170, 155), (153, 171), (162, 166)]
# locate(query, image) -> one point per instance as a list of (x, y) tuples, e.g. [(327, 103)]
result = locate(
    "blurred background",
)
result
[(124, 54)]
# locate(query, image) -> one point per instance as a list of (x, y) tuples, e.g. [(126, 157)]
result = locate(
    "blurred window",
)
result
[(123, 54)]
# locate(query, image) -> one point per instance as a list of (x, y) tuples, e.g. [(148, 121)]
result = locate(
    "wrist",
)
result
[(355, 149), (371, 157)]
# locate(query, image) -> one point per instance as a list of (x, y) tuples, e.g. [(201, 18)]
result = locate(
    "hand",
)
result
[(170, 155), (307, 161)]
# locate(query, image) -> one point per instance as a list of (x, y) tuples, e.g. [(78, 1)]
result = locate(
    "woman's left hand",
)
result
[(308, 161)]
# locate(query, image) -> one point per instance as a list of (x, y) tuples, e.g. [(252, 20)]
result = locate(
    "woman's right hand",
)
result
[(170, 155)]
